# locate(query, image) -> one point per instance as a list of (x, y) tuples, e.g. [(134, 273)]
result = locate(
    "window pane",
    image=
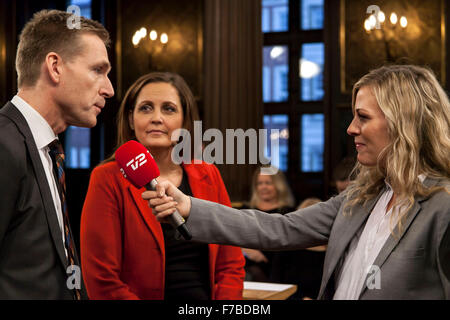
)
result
[(277, 155), (311, 71), (312, 14), (275, 15), (85, 7), (78, 148), (312, 142), (78, 140), (275, 73)]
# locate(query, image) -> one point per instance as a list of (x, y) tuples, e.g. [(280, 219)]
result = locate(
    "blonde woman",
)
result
[(270, 191), (388, 232), (271, 194)]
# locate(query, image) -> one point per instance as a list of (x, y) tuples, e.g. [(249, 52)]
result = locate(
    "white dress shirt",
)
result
[(42, 135), (365, 247)]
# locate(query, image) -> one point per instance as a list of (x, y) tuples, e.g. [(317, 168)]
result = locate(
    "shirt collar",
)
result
[(421, 178), (388, 186), (40, 129)]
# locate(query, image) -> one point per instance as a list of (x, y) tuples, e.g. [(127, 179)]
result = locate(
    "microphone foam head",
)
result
[(136, 163)]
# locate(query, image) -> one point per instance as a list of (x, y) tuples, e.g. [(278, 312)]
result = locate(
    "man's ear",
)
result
[(53, 66)]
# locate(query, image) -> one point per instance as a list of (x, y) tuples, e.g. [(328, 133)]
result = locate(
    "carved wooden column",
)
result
[(232, 79)]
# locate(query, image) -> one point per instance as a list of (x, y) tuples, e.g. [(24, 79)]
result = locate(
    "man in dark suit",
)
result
[(62, 66)]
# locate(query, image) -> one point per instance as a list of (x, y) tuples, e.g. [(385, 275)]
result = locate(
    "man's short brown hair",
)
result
[(46, 32)]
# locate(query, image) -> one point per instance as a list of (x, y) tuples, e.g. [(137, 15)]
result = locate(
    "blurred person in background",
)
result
[(270, 193), (342, 172)]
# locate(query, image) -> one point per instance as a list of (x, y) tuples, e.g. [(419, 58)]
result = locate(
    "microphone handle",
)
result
[(176, 220)]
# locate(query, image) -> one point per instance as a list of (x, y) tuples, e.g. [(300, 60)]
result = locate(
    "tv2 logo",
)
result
[(137, 162)]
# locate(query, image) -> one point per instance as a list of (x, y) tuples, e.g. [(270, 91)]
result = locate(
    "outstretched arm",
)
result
[(214, 223)]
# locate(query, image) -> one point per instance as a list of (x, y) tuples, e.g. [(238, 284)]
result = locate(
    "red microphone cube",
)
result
[(136, 163)]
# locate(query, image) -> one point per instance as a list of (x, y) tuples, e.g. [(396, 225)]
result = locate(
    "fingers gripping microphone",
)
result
[(138, 166)]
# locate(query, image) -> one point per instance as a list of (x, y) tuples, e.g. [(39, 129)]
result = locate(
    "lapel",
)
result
[(201, 186), (343, 233), (392, 241), (47, 201), (146, 214)]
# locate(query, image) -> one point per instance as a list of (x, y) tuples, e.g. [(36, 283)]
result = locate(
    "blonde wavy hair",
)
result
[(417, 111), (285, 197)]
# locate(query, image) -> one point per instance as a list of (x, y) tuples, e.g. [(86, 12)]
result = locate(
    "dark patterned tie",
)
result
[(57, 154)]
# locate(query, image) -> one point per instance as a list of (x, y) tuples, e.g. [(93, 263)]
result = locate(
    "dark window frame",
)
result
[(294, 107)]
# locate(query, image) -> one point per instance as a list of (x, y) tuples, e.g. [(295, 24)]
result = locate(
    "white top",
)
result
[(365, 247), (42, 135)]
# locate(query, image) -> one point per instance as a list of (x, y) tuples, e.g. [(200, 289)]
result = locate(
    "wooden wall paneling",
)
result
[(232, 77), (181, 20)]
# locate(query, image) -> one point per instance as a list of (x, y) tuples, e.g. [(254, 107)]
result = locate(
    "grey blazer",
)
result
[(32, 259), (415, 265)]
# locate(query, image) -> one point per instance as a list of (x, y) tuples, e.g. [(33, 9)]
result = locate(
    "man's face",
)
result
[(85, 84)]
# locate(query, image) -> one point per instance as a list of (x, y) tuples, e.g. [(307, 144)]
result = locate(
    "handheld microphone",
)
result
[(138, 166)]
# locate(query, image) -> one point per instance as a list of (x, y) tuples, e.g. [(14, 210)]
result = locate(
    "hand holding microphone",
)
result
[(162, 206), (138, 166)]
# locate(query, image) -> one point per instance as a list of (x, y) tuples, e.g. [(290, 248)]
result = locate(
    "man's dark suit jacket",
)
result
[(32, 259)]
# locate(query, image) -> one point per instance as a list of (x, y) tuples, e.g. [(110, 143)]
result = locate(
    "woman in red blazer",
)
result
[(125, 252)]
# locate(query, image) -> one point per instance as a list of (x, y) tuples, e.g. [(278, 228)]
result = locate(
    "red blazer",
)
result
[(122, 244)]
